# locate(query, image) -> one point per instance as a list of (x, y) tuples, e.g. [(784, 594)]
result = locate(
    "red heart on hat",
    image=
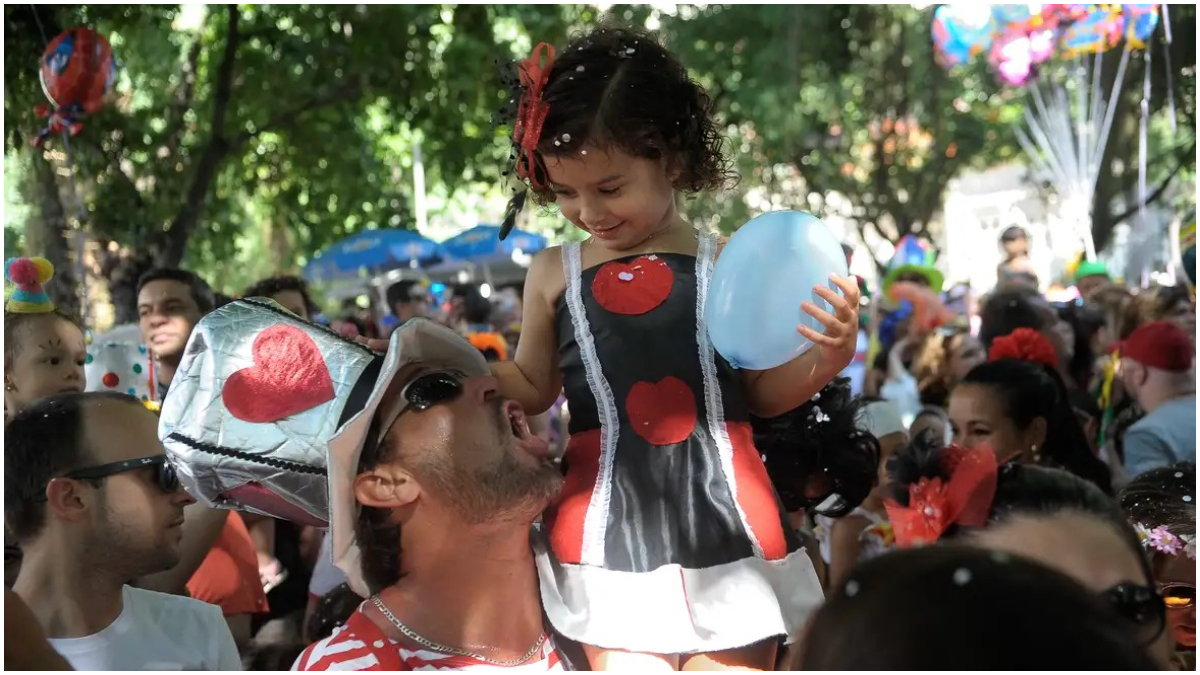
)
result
[(635, 287), (289, 376), (663, 412)]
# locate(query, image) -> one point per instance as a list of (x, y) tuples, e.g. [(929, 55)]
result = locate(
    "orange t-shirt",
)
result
[(228, 577)]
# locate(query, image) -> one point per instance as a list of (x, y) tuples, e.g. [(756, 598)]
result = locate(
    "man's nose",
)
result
[(181, 497)]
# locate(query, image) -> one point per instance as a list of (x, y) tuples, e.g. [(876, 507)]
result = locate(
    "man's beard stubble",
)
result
[(509, 489), (116, 549)]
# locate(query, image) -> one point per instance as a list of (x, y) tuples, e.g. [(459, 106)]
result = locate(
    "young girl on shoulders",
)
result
[(667, 548)]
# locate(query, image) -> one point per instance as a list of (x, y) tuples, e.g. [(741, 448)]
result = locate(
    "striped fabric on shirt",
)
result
[(361, 645)]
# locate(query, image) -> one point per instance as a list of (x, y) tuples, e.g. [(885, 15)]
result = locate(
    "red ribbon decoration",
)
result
[(1024, 344), (532, 111), (965, 499)]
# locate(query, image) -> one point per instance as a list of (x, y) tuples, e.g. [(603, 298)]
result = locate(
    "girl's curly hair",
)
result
[(618, 87), (819, 450)]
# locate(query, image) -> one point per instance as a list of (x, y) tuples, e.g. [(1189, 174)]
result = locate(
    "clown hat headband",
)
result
[(28, 274), (255, 400), (268, 413), (914, 256)]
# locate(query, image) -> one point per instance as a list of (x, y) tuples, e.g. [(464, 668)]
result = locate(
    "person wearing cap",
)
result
[(1157, 371), (915, 262), (434, 487), (1090, 277)]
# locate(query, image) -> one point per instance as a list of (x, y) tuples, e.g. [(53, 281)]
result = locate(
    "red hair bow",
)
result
[(532, 111), (933, 506), (1024, 344)]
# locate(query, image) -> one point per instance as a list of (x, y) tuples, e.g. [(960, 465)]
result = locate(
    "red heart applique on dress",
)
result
[(663, 412), (635, 287), (288, 377)]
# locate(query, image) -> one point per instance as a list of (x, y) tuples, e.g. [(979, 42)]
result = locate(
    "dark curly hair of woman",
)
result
[(818, 451), (619, 88)]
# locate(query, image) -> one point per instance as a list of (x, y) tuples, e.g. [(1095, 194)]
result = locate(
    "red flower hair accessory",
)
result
[(532, 111), (933, 506), (1024, 344)]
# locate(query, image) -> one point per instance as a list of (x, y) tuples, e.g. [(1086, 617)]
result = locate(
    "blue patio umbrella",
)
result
[(481, 244), (373, 251)]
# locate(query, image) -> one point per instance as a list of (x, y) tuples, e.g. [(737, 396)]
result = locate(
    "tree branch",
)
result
[(183, 99), (185, 221), (288, 118), (1153, 197)]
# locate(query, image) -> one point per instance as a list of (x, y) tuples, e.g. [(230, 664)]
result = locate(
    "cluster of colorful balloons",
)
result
[(1016, 38), (77, 72)]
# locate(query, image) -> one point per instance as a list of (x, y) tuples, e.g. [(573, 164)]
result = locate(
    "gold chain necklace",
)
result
[(455, 651)]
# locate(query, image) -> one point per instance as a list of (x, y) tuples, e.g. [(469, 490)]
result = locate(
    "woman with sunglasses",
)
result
[(1161, 505), (1047, 515)]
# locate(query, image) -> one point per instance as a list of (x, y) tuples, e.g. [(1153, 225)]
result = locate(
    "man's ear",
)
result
[(386, 487), (66, 501)]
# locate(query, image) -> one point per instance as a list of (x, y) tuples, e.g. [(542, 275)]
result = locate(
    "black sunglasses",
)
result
[(1178, 595), (422, 393), (165, 474), (1140, 605)]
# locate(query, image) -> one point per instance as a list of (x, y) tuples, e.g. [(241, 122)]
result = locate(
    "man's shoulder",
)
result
[(169, 610), (355, 646), (1166, 418)]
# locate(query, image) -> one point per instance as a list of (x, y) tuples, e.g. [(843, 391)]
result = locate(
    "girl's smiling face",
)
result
[(619, 199)]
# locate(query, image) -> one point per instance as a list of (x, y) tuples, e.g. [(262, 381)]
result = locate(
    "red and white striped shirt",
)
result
[(361, 645)]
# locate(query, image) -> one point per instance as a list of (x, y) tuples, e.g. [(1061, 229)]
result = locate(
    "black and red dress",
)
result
[(667, 537)]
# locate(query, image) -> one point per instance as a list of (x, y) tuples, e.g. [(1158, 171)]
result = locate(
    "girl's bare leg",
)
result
[(634, 662), (758, 656)]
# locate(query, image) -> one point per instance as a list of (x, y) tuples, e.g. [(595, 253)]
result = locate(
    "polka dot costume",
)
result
[(118, 366)]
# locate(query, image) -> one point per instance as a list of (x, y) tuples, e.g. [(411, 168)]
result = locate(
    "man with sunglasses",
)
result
[(94, 504), (434, 487)]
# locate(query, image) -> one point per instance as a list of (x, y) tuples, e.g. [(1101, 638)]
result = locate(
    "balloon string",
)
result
[(38, 20), (1166, 20), (1142, 137)]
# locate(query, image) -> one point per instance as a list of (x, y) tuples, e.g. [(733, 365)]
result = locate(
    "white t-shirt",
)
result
[(156, 631)]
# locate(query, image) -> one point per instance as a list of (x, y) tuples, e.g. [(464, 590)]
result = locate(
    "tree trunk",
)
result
[(46, 232)]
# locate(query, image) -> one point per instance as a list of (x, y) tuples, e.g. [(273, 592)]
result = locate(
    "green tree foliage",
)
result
[(849, 99), (243, 132)]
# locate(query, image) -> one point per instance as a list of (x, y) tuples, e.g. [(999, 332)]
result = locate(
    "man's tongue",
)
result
[(535, 445)]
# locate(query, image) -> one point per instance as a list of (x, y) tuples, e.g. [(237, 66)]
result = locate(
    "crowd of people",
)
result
[(1008, 485)]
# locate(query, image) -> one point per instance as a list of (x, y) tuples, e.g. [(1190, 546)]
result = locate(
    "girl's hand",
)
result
[(840, 338)]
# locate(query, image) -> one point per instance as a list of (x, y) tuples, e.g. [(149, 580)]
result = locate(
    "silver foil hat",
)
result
[(256, 399)]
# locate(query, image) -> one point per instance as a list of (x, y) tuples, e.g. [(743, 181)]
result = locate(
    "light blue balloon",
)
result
[(768, 267)]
